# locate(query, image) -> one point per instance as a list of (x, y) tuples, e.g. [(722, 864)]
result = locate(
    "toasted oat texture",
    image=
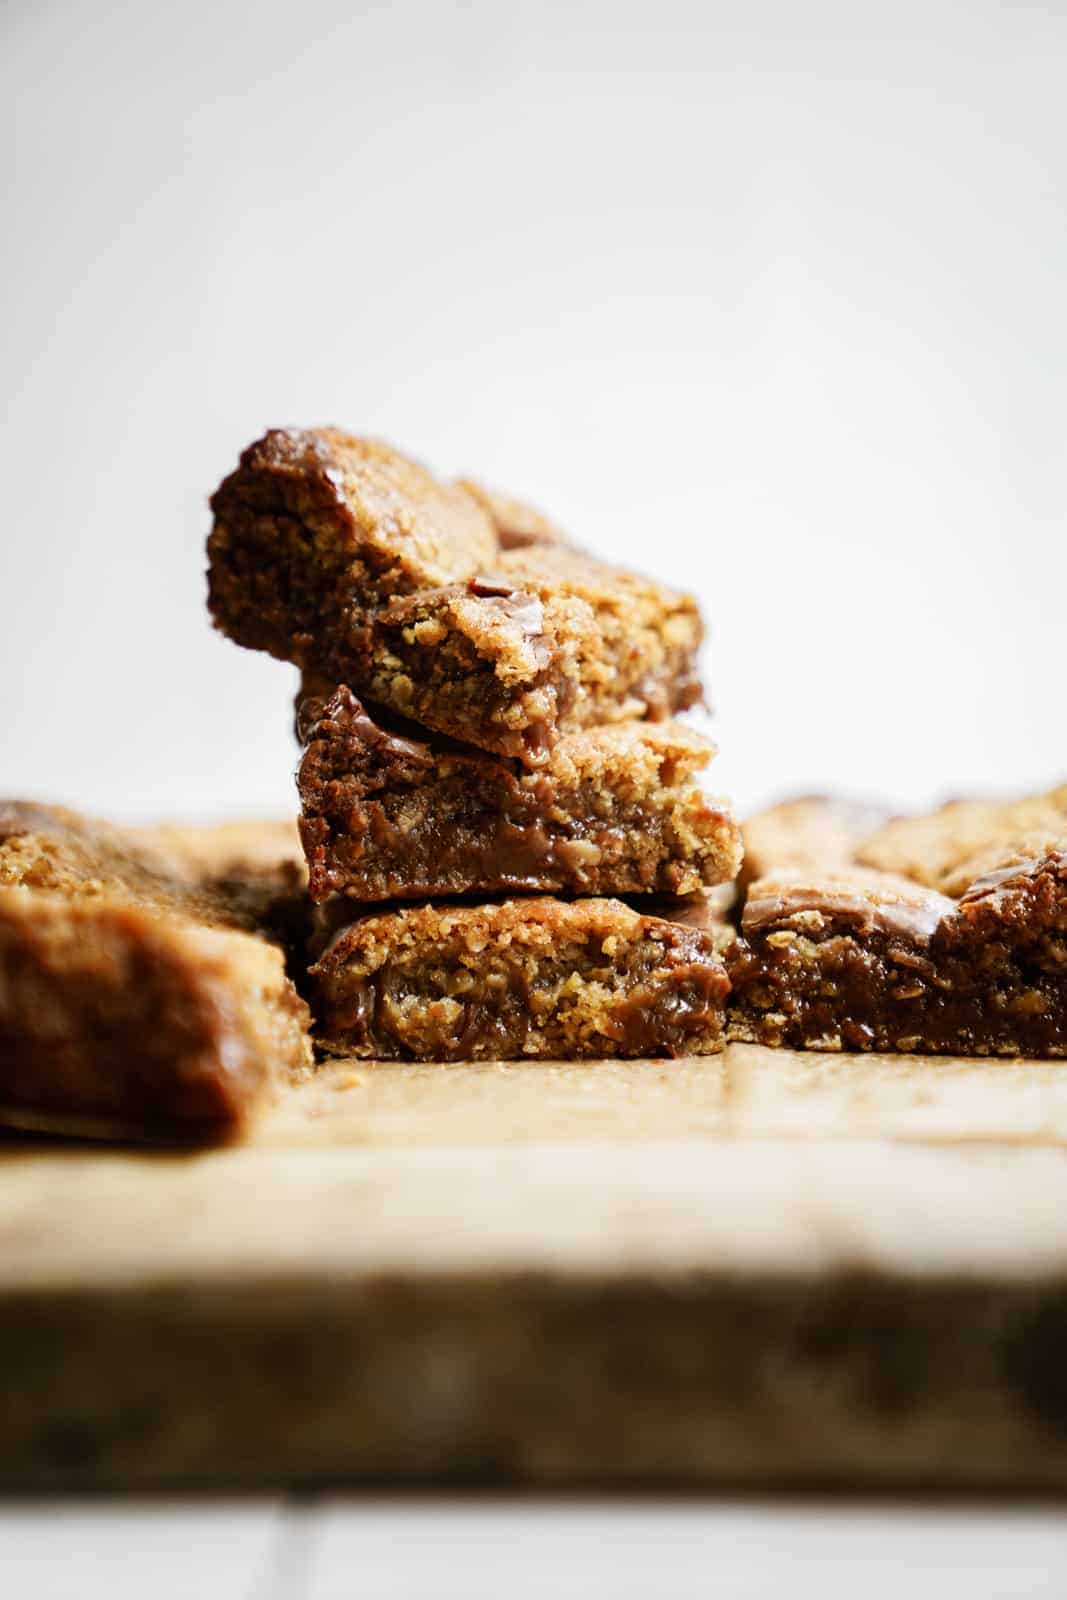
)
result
[(315, 527), (532, 978), (357, 565), (961, 951), (615, 811), (493, 663), (510, 662), (137, 994), (647, 635)]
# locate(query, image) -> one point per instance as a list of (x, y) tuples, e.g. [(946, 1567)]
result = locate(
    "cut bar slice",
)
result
[(136, 994), (316, 527), (533, 978), (357, 565), (615, 811), (549, 642), (643, 659), (834, 959), (492, 662), (846, 956)]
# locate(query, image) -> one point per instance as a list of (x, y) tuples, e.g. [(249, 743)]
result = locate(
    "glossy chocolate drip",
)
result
[(864, 904)]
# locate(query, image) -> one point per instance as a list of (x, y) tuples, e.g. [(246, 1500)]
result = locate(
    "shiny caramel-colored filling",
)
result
[(522, 979)]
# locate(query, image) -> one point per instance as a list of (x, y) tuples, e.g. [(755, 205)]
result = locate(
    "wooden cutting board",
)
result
[(761, 1268)]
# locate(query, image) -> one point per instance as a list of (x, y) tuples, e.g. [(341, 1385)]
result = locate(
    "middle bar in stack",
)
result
[(478, 720), (390, 814)]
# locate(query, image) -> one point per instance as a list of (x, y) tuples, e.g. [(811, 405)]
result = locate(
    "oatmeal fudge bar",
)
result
[(356, 564), (961, 950), (615, 811), (550, 641), (137, 993), (530, 978)]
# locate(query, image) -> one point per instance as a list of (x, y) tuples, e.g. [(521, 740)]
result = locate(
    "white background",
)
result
[(482, 1548), (767, 298)]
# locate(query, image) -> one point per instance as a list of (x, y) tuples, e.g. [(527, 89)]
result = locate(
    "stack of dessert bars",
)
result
[(509, 853), (509, 849)]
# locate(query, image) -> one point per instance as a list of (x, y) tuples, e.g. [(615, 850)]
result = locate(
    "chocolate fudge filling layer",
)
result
[(356, 564), (534, 978), (615, 811), (856, 958)]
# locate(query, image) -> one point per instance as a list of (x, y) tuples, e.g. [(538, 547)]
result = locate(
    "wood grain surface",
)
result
[(762, 1268)]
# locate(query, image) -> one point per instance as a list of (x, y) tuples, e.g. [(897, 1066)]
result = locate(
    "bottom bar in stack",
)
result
[(519, 979), (941, 934)]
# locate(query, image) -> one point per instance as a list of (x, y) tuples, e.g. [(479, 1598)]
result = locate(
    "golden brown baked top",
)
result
[(945, 850), (222, 876), (52, 849), (535, 923), (949, 848), (380, 502), (226, 849), (548, 569), (456, 608), (863, 900)]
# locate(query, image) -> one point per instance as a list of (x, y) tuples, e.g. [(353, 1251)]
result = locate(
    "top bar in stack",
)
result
[(943, 933), (457, 609)]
